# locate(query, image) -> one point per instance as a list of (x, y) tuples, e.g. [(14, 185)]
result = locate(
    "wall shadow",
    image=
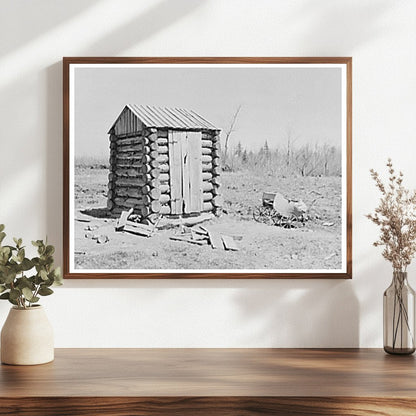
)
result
[(336, 18), (301, 313), (157, 18), (38, 18)]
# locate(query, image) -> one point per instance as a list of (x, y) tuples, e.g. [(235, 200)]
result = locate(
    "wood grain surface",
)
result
[(212, 381)]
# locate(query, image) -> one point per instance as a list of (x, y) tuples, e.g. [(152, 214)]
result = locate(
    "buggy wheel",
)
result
[(258, 214), (277, 219), (290, 222), (268, 217)]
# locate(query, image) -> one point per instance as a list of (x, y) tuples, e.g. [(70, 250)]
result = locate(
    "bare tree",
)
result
[(290, 141), (230, 129)]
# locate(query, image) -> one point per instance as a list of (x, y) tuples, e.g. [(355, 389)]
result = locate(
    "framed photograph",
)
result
[(207, 168)]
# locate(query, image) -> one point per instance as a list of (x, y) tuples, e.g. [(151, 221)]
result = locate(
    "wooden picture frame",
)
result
[(168, 126)]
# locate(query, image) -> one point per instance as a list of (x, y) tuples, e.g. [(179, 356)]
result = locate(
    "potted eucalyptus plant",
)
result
[(396, 217), (27, 335)]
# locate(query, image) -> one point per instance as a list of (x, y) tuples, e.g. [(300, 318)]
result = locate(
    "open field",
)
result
[(317, 245)]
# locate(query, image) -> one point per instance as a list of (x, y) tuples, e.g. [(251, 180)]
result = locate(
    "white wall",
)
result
[(380, 35)]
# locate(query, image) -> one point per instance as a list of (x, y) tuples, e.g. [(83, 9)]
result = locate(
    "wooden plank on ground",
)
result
[(215, 239), (229, 243), (83, 219), (189, 221), (188, 240), (199, 230), (198, 235), (137, 230), (144, 227), (121, 222)]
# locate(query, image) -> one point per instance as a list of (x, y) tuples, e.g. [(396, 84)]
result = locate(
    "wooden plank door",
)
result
[(186, 174), (185, 170), (194, 166), (175, 171)]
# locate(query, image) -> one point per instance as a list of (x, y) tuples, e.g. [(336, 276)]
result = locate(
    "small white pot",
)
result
[(27, 337)]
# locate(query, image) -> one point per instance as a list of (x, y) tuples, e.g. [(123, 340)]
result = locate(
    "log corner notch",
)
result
[(216, 170), (145, 161)]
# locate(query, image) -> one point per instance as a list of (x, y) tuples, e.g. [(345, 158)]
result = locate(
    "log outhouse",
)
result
[(163, 161)]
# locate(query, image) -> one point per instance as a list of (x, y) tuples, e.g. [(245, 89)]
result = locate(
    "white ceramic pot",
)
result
[(27, 337)]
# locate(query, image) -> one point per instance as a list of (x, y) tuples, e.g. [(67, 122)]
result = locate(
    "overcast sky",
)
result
[(305, 100)]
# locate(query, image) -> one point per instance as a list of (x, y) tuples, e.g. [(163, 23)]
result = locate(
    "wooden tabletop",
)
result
[(265, 376)]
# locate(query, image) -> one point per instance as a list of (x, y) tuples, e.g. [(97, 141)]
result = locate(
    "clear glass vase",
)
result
[(399, 316)]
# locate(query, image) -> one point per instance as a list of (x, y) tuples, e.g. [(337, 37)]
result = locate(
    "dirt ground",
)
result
[(317, 245)]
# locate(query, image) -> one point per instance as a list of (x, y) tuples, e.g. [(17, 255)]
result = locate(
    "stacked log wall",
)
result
[(151, 168), (164, 177), (111, 174), (210, 144), (126, 179), (139, 173)]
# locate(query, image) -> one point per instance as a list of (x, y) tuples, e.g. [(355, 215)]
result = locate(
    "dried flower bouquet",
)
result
[(396, 217)]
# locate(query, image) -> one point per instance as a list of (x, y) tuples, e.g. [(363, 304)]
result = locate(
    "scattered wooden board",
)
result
[(229, 243), (166, 223), (200, 230), (198, 236), (83, 219), (189, 240), (140, 225), (215, 239), (121, 222), (137, 231)]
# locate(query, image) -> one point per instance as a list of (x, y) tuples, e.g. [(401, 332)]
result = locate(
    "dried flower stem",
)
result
[(396, 217)]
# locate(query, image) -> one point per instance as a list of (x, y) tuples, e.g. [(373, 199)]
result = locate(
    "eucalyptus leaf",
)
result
[(5, 295), (24, 282), (13, 302), (2, 226), (27, 293), (26, 264), (49, 250), (15, 294), (45, 291), (58, 276), (48, 260), (9, 277), (43, 275), (2, 288), (38, 280), (6, 250), (4, 255), (21, 255)]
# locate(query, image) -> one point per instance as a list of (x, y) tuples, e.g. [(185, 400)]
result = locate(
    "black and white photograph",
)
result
[(208, 169)]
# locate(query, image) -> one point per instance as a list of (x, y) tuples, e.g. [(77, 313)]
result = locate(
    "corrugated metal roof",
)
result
[(164, 117)]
